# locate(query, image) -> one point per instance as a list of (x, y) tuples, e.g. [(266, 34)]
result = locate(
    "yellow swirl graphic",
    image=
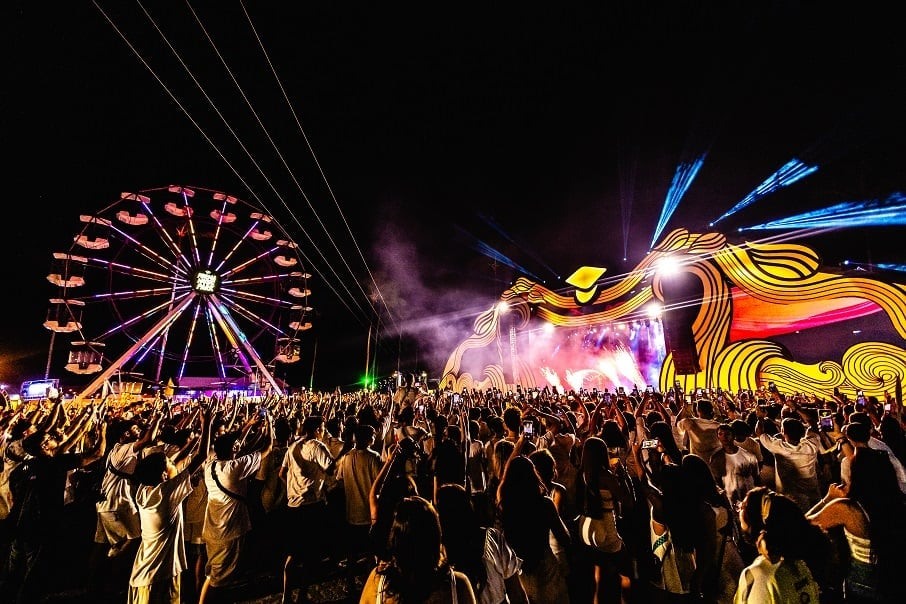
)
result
[(778, 274)]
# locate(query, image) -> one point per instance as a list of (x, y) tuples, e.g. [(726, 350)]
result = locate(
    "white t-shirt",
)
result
[(306, 463), (162, 553), (752, 446), (700, 434), (740, 470), (119, 490), (226, 517), (796, 468), (358, 470)]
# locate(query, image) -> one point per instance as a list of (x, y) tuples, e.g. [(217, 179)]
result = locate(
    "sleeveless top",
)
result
[(677, 566), (379, 599), (601, 533), (859, 547)]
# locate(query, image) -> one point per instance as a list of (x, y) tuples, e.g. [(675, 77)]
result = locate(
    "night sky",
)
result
[(550, 134)]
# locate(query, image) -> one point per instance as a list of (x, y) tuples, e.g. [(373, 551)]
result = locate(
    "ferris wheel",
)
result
[(179, 281)]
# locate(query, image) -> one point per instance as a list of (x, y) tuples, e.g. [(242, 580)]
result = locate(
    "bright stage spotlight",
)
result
[(654, 310), (503, 308), (668, 266), (792, 171), (682, 180), (874, 212)]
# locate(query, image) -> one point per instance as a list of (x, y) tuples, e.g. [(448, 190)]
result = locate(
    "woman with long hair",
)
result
[(527, 516), (502, 451), (480, 552), (870, 510), (673, 528), (717, 561), (599, 494), (416, 570), (667, 451), (564, 501), (793, 554), (892, 435), (393, 483)]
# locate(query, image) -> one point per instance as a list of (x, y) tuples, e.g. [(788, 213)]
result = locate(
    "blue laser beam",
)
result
[(490, 252), (494, 225), (682, 180), (793, 171), (873, 212)]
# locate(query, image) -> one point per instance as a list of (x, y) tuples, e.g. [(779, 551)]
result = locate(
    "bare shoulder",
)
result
[(464, 591)]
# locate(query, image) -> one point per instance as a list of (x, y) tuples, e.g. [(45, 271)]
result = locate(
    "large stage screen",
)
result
[(606, 356)]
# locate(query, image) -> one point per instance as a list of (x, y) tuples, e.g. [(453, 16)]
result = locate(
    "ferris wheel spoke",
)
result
[(233, 334), (140, 317), (215, 344), (158, 339), (190, 337), (186, 194), (261, 299), (263, 279), (250, 262), (248, 233), (166, 238), (133, 294), (139, 247), (238, 338), (251, 316), (220, 216), (133, 271)]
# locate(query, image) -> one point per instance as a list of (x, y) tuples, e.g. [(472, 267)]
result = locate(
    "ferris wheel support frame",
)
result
[(235, 335), (239, 339), (102, 377)]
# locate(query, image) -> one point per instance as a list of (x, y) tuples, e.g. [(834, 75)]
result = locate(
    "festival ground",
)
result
[(332, 586), (333, 582)]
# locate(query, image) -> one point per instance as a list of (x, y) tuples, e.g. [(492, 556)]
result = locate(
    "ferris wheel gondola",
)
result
[(179, 281)]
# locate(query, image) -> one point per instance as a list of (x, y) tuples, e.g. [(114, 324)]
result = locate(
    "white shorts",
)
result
[(117, 526)]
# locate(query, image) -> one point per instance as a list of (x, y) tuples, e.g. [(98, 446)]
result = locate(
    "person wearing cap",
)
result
[(857, 433)]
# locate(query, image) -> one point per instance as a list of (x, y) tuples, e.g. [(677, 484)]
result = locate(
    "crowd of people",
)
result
[(535, 495)]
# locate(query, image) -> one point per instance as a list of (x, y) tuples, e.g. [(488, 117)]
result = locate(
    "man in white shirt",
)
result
[(159, 494), (118, 520), (226, 519), (306, 468), (357, 470), (795, 460), (735, 468), (700, 430)]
